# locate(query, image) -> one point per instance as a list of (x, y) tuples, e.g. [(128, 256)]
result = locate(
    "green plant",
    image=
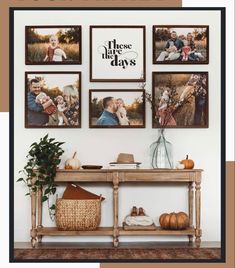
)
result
[(40, 170)]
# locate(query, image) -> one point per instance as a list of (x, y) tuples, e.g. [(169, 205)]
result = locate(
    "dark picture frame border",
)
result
[(182, 72), (116, 27), (78, 62), (79, 95), (117, 90), (179, 62), (222, 13)]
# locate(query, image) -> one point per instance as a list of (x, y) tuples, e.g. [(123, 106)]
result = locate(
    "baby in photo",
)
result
[(121, 112), (186, 50), (172, 50), (61, 107), (54, 52), (43, 98)]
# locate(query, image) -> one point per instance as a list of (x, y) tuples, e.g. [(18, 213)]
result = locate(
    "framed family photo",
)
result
[(53, 45), (180, 44), (180, 99), (117, 108), (52, 99), (117, 53)]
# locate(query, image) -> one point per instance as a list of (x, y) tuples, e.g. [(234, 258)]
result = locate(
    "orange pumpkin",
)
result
[(188, 163), (174, 221)]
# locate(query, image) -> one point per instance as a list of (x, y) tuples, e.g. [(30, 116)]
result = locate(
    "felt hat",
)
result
[(124, 158)]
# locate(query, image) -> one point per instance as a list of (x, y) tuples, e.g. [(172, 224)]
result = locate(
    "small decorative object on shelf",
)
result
[(161, 152), (174, 221), (188, 163), (72, 163), (138, 220), (179, 165), (91, 167)]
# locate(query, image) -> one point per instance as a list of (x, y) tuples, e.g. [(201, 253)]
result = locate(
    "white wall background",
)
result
[(100, 146)]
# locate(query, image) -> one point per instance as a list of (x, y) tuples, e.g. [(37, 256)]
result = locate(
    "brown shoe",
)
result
[(141, 212), (134, 212)]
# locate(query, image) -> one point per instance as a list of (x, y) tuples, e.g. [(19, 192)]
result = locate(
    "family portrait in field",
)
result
[(53, 99), (180, 44), (53, 45), (181, 99), (117, 108)]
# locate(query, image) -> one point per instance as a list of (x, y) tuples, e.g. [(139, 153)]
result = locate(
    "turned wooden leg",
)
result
[(39, 213), (33, 232), (190, 208), (198, 231), (115, 210)]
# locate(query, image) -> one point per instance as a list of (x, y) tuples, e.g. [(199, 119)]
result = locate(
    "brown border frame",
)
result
[(58, 127), (116, 90), (27, 62), (180, 62), (144, 53), (207, 106)]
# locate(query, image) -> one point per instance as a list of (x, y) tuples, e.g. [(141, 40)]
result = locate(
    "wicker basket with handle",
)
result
[(73, 214)]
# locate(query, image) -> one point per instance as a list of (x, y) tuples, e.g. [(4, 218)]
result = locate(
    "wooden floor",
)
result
[(126, 251)]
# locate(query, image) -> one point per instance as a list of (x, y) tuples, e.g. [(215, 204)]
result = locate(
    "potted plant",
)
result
[(40, 170)]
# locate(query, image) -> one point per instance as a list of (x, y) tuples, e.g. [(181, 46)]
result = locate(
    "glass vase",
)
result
[(161, 152)]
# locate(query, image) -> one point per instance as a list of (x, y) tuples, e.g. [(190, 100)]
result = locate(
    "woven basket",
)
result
[(74, 214)]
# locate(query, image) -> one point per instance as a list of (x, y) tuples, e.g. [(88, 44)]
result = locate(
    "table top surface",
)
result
[(154, 170)]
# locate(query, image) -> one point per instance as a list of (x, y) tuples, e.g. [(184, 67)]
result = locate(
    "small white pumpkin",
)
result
[(72, 163), (180, 166)]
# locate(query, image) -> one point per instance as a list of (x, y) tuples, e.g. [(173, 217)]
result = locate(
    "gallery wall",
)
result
[(101, 146)]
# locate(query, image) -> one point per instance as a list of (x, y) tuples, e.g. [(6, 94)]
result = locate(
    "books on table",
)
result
[(124, 166)]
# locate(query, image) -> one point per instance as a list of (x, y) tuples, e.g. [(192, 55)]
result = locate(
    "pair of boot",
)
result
[(137, 212)]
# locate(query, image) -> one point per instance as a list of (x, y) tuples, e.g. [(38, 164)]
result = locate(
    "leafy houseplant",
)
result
[(40, 170)]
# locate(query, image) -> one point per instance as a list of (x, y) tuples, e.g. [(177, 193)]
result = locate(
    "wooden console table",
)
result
[(116, 177)]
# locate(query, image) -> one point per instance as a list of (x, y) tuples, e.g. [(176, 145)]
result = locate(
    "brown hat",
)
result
[(124, 158)]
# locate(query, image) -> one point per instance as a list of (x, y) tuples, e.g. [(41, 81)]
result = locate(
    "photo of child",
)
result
[(53, 45), (54, 52), (122, 113)]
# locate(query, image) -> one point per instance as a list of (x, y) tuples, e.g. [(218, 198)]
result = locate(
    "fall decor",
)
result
[(72, 163), (188, 163), (174, 221), (40, 170)]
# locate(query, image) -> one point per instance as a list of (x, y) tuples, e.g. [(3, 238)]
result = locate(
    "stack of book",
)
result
[(114, 165)]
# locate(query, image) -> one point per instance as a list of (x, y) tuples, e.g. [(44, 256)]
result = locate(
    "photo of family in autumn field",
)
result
[(180, 44), (180, 99), (53, 99), (53, 44), (117, 109)]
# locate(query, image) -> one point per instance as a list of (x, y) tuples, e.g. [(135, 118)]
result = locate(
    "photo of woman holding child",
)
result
[(180, 44), (53, 99), (53, 44)]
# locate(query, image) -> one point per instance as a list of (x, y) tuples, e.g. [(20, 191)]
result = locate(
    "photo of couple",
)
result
[(53, 45), (181, 99), (117, 108), (52, 99), (180, 44)]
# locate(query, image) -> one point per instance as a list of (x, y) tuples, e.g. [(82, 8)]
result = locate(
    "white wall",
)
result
[(100, 146)]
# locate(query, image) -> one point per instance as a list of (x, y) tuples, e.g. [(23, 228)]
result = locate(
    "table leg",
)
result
[(115, 210), (33, 231), (39, 212), (190, 207), (198, 231)]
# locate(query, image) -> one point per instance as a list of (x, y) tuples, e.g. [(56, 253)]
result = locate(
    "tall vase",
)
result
[(161, 152)]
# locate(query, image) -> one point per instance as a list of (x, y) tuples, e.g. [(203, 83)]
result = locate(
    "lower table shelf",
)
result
[(108, 231)]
